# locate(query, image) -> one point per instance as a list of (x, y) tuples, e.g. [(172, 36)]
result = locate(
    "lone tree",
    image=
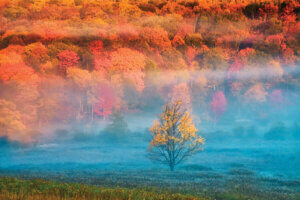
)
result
[(174, 136)]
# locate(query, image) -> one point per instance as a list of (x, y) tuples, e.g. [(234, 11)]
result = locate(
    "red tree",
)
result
[(96, 47), (178, 41), (67, 59), (19, 73)]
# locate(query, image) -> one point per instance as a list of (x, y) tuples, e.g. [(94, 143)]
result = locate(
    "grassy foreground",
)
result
[(36, 189), (39, 189)]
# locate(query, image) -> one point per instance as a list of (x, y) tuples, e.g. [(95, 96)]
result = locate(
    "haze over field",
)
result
[(263, 137), (82, 82)]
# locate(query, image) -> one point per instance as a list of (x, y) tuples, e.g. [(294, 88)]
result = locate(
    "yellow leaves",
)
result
[(200, 140), (67, 2), (156, 37), (159, 139), (175, 126), (48, 68), (155, 128), (187, 129), (130, 64), (125, 59), (128, 11), (11, 125)]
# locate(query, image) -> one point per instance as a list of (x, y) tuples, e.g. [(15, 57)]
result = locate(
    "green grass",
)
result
[(240, 187), (36, 189)]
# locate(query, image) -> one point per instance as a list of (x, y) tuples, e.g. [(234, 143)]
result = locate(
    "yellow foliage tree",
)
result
[(11, 125), (174, 136)]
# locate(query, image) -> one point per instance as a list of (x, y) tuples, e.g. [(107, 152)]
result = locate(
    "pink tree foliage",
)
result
[(191, 52), (277, 39), (219, 103), (106, 100), (239, 62), (102, 62), (234, 69)]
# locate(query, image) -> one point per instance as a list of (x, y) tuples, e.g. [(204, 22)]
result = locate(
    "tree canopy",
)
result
[(174, 136)]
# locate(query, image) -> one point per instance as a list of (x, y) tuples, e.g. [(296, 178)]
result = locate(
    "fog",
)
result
[(263, 137)]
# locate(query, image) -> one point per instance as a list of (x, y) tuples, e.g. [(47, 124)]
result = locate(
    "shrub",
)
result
[(118, 129)]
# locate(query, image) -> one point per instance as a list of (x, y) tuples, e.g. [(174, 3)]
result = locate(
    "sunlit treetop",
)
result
[(174, 136), (174, 124)]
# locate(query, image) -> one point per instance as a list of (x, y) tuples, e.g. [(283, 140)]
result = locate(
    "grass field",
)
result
[(243, 186), (13, 188)]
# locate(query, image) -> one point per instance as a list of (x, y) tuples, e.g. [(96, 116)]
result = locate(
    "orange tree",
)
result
[(174, 136)]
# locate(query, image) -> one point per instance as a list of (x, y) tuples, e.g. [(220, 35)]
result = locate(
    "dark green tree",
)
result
[(117, 130)]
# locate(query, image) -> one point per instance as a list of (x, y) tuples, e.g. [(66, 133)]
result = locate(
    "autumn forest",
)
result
[(89, 77)]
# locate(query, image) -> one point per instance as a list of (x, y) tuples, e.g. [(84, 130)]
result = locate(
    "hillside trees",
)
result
[(156, 38), (36, 55), (81, 80), (67, 59), (130, 64), (80, 61), (20, 84), (106, 99)]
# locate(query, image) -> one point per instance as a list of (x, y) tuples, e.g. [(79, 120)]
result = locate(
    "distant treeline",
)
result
[(62, 61)]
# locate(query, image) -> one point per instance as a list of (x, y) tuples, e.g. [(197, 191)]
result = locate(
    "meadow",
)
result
[(260, 170), (238, 185)]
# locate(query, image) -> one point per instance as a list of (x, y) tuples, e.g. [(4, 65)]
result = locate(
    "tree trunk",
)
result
[(172, 167)]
